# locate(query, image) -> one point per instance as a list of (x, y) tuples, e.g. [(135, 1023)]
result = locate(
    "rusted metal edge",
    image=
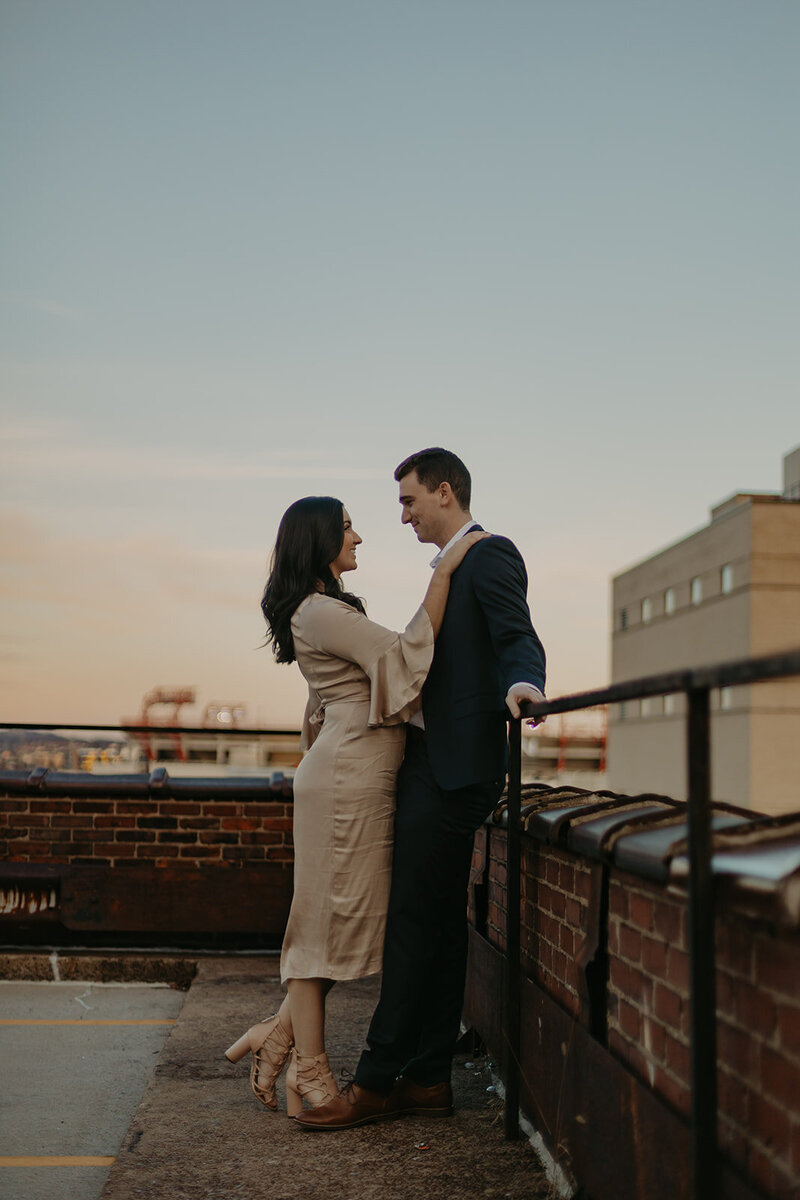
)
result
[(748, 851), (159, 783), (590, 835), (648, 852)]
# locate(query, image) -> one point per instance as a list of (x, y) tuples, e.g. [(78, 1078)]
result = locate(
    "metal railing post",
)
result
[(702, 956), (512, 978)]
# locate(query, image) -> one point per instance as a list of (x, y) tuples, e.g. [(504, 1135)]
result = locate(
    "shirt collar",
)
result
[(464, 529)]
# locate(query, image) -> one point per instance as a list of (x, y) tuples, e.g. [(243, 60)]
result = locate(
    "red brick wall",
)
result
[(555, 896), (758, 1029), (111, 831), (648, 985), (647, 996), (554, 907)]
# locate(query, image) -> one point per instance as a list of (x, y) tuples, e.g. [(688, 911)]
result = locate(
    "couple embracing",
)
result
[(406, 757)]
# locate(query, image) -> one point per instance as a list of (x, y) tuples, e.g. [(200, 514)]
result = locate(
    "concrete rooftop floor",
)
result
[(199, 1133)]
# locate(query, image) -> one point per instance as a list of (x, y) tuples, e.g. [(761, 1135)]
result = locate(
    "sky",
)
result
[(253, 250)]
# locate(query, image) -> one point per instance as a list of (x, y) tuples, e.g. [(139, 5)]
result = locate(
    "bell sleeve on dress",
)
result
[(396, 664), (396, 676)]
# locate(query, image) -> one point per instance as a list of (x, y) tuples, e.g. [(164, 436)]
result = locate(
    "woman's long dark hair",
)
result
[(310, 536)]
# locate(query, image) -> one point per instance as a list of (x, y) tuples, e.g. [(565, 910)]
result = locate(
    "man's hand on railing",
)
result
[(524, 691)]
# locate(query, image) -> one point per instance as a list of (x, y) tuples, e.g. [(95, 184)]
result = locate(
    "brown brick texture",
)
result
[(647, 995), (110, 831)]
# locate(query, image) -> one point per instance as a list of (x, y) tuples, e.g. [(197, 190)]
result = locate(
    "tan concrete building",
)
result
[(729, 591)]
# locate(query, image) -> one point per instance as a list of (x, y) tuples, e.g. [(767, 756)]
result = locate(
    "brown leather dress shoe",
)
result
[(409, 1097), (353, 1105)]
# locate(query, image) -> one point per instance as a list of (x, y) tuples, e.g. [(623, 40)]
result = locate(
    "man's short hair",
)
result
[(435, 466)]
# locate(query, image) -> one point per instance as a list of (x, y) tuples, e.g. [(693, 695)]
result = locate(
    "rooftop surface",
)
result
[(199, 1133)]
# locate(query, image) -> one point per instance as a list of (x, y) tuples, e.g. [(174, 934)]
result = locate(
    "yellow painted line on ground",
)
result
[(78, 1021), (56, 1160)]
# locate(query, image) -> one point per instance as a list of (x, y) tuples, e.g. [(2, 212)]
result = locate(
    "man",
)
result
[(486, 660)]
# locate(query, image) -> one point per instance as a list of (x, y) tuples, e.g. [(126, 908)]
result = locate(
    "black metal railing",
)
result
[(696, 684), (146, 732), (152, 730)]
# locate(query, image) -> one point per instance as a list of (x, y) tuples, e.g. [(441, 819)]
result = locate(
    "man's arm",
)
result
[(501, 583)]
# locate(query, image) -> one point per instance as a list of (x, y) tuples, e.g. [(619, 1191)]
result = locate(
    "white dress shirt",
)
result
[(437, 558)]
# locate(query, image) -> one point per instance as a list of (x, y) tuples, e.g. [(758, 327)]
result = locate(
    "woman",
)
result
[(364, 683)]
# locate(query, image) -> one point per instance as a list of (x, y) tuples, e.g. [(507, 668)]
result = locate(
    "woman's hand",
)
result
[(436, 596), (456, 554)]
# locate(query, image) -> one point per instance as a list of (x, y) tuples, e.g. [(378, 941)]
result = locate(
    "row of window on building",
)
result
[(670, 601), (668, 706)]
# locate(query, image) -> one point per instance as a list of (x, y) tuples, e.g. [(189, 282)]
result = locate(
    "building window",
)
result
[(726, 579), (726, 697), (696, 590), (623, 618), (669, 601), (670, 705), (647, 609), (650, 706), (623, 710)]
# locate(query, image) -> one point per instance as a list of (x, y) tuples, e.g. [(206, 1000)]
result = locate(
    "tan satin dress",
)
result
[(364, 683)]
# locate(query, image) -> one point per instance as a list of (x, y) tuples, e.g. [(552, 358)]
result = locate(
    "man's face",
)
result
[(421, 509)]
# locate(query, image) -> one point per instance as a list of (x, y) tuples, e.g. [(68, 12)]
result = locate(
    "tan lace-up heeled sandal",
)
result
[(270, 1046), (308, 1078)]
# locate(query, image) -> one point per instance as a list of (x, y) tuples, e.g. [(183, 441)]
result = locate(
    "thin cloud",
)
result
[(94, 577), (50, 308), (106, 461)]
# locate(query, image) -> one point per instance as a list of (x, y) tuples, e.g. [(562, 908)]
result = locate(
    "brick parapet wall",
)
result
[(647, 994), (648, 985), (758, 1023), (555, 898), (111, 831), (554, 906)]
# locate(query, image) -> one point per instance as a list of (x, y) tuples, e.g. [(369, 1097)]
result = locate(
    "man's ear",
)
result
[(445, 494)]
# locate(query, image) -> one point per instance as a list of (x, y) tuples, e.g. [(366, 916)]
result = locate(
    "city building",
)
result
[(729, 591)]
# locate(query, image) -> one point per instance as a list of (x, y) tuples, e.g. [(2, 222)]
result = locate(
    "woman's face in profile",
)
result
[(346, 558)]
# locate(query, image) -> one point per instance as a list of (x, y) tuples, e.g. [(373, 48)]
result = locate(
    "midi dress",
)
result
[(364, 683)]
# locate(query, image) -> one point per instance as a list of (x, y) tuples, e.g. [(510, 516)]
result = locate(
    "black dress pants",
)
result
[(416, 1025)]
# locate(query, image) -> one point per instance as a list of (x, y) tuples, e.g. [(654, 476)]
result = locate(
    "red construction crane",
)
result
[(158, 697)]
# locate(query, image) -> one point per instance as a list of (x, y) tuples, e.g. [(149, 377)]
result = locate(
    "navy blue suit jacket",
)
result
[(486, 644)]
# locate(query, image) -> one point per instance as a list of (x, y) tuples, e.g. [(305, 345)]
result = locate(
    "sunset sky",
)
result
[(255, 250)]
